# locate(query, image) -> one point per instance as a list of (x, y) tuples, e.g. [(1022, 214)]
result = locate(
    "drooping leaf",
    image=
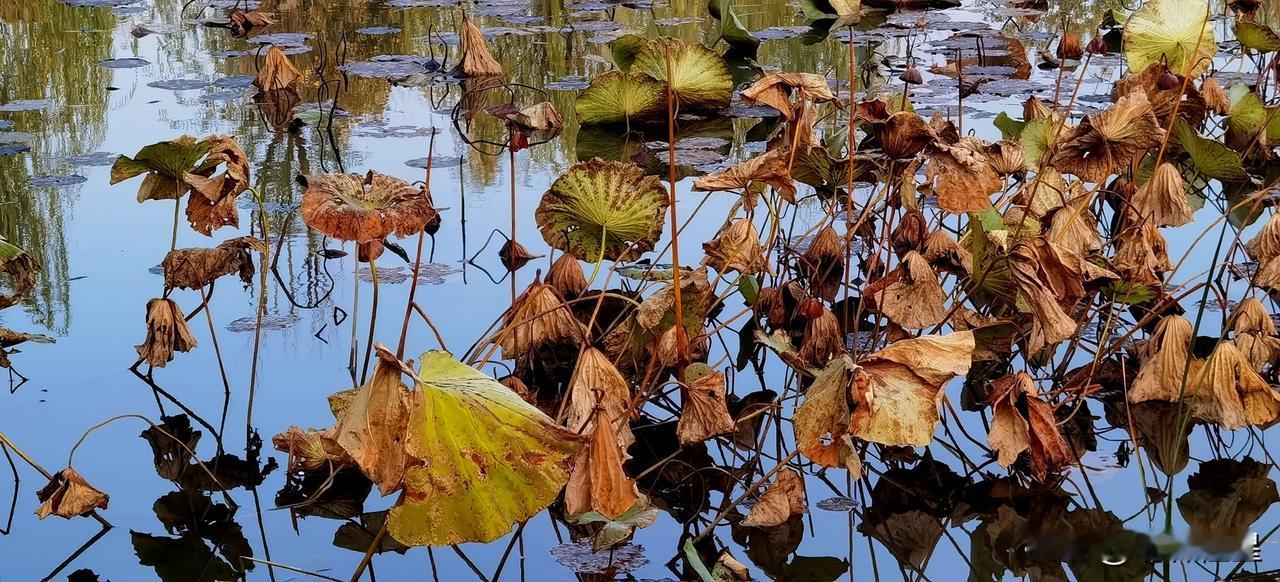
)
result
[(492, 459), (1210, 157), (1257, 36), (1173, 30), (603, 210), (164, 163)]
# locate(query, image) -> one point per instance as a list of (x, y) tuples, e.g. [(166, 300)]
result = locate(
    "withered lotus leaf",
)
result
[(1163, 198), (242, 22), (165, 164), (1074, 227), (910, 295), (598, 482), (1214, 97), (371, 428), (311, 450), (822, 339), (1036, 283), (782, 499), (1024, 421), (196, 268), (18, 271), (599, 391), (705, 413), (942, 251), (736, 247), (1266, 245), (167, 332), (1105, 143), (603, 210), (277, 72), (1255, 333), (566, 277), (1163, 361), (538, 317), (364, 209), (1225, 498), (896, 391), (68, 495), (962, 176), (823, 263), (1142, 254), (491, 459), (769, 168), (1227, 391), (904, 135), (786, 92), (476, 59), (821, 422), (699, 77)]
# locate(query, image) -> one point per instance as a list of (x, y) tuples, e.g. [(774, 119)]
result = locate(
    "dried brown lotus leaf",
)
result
[(1050, 322), (1023, 421), (1227, 391), (705, 413), (1215, 99), (962, 176), (567, 278), (769, 168), (1142, 255), (821, 422), (823, 262), (1267, 277), (598, 482), (942, 251), (736, 247), (196, 268), (1163, 198), (277, 71), (364, 208), (599, 391), (1106, 143), (909, 295), (243, 22), (658, 310), (910, 233), (786, 92), (476, 59), (167, 332), (1259, 350), (1048, 191), (822, 339), (538, 317), (782, 499), (905, 134), (312, 449), (1163, 361), (1251, 316), (1033, 108), (1007, 157), (372, 427), (1266, 245), (68, 495), (896, 391), (1074, 227), (1192, 108), (205, 216)]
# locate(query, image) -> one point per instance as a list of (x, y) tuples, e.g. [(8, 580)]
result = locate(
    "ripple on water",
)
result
[(270, 322)]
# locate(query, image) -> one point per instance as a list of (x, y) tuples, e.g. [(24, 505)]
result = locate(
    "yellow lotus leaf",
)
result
[(1173, 30), (491, 459), (897, 390), (821, 422)]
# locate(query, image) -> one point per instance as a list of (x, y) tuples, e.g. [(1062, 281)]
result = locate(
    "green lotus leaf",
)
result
[(700, 78), (1035, 138), (1171, 29), (612, 532), (1258, 37), (1210, 157), (1249, 117), (625, 49), (164, 164), (617, 97), (732, 31), (603, 210), (1009, 127), (491, 459)]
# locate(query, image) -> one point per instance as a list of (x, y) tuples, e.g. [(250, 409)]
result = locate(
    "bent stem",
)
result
[(373, 318), (222, 370), (265, 259)]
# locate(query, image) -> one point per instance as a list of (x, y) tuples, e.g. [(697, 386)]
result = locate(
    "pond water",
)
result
[(84, 81)]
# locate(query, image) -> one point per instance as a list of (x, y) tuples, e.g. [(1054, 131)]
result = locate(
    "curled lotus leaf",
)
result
[(365, 208), (164, 163), (1107, 142), (196, 268), (602, 210), (699, 77), (492, 459), (619, 98), (1171, 30), (18, 270)]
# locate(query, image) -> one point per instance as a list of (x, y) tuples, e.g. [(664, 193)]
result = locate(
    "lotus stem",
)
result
[(417, 261), (355, 312), (265, 259), (373, 318), (682, 340), (177, 207), (222, 370)]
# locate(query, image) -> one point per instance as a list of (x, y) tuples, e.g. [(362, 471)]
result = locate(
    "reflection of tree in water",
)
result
[(42, 60)]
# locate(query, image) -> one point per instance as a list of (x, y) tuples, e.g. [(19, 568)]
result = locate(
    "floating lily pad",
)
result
[(282, 39), (56, 181), (13, 149), (378, 129), (15, 137), (218, 96), (93, 159), (125, 63), (582, 559), (98, 3), (390, 66), (570, 83), (179, 84), (837, 504), (234, 82), (25, 105), (437, 162), (378, 30), (270, 322)]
